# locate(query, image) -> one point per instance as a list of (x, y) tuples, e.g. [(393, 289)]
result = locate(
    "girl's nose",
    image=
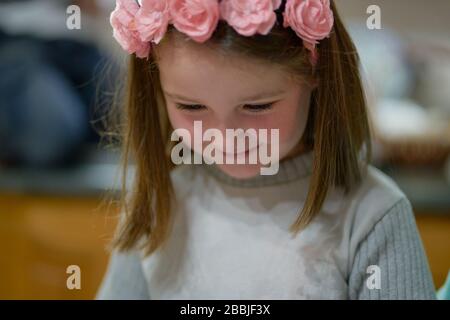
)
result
[(234, 135)]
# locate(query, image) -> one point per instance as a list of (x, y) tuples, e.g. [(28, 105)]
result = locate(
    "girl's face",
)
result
[(229, 93)]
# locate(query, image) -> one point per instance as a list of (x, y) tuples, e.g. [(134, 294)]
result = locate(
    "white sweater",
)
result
[(231, 241)]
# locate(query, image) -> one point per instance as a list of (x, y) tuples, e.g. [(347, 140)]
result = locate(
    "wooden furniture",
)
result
[(41, 236), (435, 233)]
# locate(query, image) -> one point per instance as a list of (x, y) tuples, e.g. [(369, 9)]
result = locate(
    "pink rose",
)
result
[(248, 17), (196, 18), (312, 20), (152, 20), (124, 30)]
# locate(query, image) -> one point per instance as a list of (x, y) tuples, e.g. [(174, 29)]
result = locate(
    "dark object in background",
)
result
[(48, 91)]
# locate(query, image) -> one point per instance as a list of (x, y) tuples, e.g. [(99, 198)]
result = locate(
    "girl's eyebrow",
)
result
[(255, 97)]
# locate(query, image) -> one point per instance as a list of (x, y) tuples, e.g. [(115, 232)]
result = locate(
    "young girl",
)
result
[(326, 225)]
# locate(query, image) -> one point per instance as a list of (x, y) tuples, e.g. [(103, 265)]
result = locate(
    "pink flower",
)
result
[(248, 17), (312, 20), (152, 20), (124, 29), (196, 18)]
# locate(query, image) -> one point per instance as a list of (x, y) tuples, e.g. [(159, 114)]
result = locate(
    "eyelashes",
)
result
[(258, 107), (190, 107), (255, 108)]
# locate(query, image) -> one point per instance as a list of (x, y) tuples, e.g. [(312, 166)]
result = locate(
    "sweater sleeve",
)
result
[(394, 247), (124, 278)]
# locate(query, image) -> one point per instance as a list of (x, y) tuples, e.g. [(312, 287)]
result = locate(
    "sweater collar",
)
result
[(290, 169)]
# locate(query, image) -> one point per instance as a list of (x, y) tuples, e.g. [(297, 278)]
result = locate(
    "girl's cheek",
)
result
[(290, 129), (179, 119), (289, 124), (184, 120), (293, 122)]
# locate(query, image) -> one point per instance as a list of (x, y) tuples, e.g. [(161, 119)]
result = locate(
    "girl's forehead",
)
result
[(193, 66)]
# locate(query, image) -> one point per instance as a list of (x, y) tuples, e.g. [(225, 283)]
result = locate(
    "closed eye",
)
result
[(248, 107), (258, 108), (190, 107)]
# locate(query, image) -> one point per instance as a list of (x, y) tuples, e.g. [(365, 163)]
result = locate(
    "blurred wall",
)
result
[(406, 16)]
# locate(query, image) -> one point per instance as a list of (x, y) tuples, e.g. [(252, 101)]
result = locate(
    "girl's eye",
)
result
[(189, 107), (258, 108), (248, 107)]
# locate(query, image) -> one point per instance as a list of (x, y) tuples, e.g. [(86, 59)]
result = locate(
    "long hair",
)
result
[(337, 129)]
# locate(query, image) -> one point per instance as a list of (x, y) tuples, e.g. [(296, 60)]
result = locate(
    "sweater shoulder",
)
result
[(376, 196)]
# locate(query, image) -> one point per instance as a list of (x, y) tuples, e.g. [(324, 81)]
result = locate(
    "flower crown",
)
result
[(137, 24)]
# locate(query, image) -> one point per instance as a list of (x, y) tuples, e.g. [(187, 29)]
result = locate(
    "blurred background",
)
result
[(56, 88)]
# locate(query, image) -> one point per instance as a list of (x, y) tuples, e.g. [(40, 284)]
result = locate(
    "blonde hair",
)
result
[(337, 130)]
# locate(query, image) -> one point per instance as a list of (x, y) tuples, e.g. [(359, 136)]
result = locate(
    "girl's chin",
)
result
[(241, 171)]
